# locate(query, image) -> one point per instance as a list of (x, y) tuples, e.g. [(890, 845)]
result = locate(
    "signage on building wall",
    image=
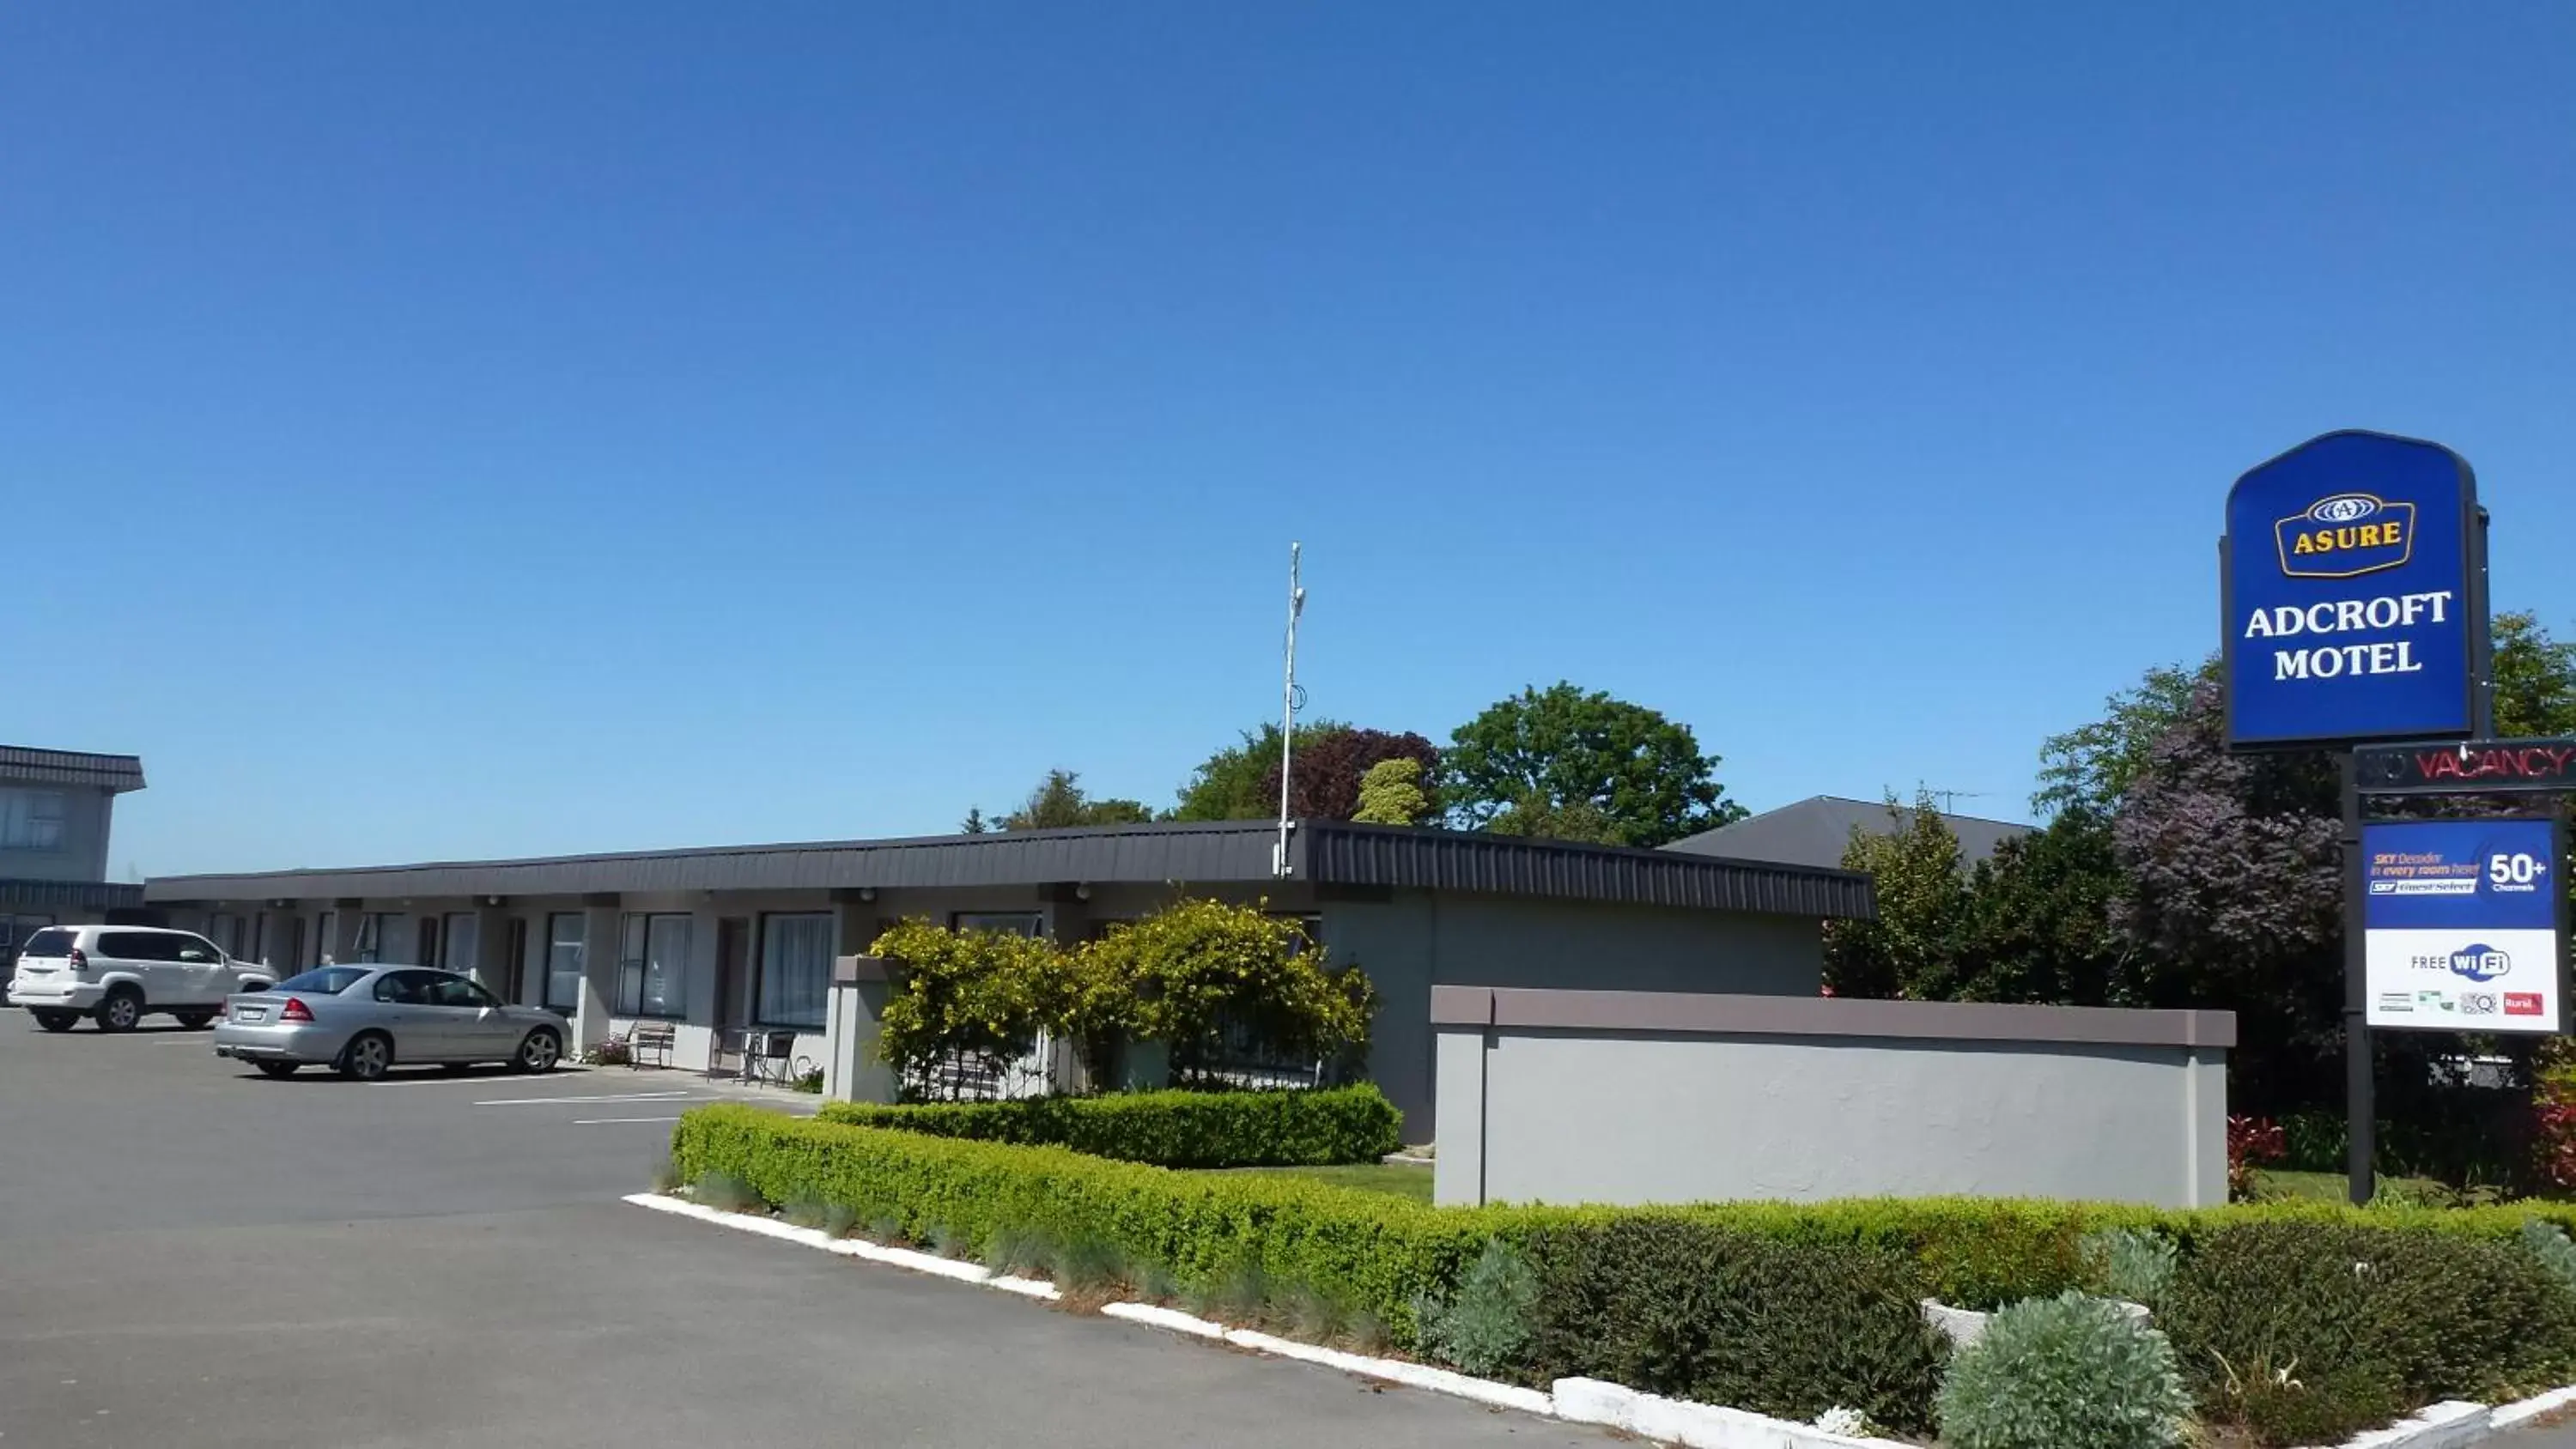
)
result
[(2464, 925), (2353, 579)]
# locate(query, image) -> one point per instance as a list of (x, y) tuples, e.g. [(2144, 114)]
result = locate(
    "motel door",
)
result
[(733, 972)]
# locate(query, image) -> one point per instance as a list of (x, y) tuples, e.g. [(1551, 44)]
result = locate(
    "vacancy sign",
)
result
[(2464, 924)]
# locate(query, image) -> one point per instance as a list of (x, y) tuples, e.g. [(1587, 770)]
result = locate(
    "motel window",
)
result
[(326, 938), (461, 943), (795, 969), (1009, 923), (380, 938), (226, 928), (31, 819), (563, 961), (653, 965)]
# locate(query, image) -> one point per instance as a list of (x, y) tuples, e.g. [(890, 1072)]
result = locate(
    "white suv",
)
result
[(115, 974)]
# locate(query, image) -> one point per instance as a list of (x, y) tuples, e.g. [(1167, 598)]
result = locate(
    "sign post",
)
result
[(2353, 601)]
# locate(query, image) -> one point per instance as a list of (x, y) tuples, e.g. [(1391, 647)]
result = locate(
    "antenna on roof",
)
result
[(1950, 798), (1289, 700)]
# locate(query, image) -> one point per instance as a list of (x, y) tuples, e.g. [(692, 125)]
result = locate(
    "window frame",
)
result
[(16, 822), (580, 947), (635, 957), (1036, 921), (760, 1014)]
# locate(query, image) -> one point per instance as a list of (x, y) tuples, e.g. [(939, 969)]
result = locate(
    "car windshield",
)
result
[(326, 980), (48, 943)]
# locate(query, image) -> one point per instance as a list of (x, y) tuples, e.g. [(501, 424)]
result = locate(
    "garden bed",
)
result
[(2296, 1322)]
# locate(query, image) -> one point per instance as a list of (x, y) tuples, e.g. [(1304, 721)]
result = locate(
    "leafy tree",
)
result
[(2090, 767), (2038, 923), (1391, 793), (1325, 774), (2535, 679), (1542, 752), (1538, 817), (1912, 948), (975, 996), (1058, 802), (1241, 781), (2232, 897), (1204, 976)]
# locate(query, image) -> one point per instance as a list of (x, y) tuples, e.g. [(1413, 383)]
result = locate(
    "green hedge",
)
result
[(1785, 1307), (1690, 1309), (1169, 1129), (1368, 1251)]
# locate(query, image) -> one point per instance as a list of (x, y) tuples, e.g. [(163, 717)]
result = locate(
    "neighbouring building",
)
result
[(55, 809), (746, 936), (1816, 832)]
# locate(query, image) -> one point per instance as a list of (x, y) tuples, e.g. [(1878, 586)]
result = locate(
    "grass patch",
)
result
[(1395, 1179)]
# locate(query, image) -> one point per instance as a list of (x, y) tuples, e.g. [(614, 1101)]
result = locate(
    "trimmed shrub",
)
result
[(1692, 1310), (1781, 1308), (2286, 1405), (1170, 1129), (2130, 1263), (2057, 1372), (1483, 1327), (1370, 1251), (2429, 1314)]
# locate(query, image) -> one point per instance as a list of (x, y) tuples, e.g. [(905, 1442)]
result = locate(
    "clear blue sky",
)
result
[(470, 429)]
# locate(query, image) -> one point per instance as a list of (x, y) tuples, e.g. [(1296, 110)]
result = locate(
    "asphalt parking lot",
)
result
[(191, 1254)]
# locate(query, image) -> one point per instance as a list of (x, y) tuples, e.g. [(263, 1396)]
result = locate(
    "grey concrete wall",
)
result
[(87, 815), (1416, 940), (1619, 1115)]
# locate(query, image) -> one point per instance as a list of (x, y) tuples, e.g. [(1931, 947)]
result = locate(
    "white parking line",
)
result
[(604, 1121), (680, 1096)]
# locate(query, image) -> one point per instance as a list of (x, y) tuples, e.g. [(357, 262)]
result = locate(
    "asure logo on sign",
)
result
[(2397, 1001), (2480, 963), (2522, 1003), (2346, 535)]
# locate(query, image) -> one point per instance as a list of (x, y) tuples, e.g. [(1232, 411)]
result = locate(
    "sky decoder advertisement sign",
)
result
[(2463, 925)]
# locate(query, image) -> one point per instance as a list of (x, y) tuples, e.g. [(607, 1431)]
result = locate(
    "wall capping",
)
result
[(1695, 1014)]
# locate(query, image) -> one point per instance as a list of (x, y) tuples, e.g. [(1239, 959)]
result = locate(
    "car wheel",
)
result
[(121, 1010), (367, 1056), (277, 1069), (195, 1020), (539, 1052), (57, 1020)]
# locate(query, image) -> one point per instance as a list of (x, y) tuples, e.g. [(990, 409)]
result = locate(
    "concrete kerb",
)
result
[(1581, 1401)]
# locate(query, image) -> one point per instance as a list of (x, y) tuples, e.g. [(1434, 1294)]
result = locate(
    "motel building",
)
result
[(722, 940)]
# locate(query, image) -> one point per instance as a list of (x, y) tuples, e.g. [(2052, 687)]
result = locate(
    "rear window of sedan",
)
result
[(326, 980)]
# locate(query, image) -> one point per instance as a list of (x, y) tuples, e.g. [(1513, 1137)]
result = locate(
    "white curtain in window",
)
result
[(666, 966), (795, 969), (460, 944), (563, 962)]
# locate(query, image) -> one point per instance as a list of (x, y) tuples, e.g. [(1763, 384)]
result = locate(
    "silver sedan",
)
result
[(360, 1020)]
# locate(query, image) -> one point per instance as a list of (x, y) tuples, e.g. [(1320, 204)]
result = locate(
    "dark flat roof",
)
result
[(1321, 852), (25, 764), (72, 895)]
